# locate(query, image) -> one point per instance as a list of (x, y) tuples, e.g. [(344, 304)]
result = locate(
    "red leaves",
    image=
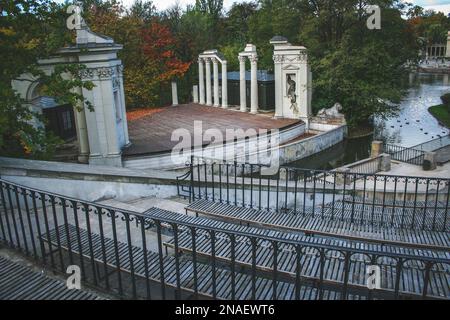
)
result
[(158, 45)]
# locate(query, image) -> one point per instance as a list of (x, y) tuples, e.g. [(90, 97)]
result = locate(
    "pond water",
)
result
[(412, 125)]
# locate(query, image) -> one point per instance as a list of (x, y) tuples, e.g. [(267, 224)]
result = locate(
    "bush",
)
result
[(446, 99)]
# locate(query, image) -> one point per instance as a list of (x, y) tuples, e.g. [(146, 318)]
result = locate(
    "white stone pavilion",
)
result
[(103, 132)]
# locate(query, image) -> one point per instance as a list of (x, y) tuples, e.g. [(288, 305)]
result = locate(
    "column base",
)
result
[(114, 160), (225, 106), (83, 158)]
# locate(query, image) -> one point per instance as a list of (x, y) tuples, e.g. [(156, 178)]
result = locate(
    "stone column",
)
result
[(124, 116), (254, 84), (277, 59), (201, 81), (195, 94), (216, 81), (208, 81), (448, 46), (224, 84), (174, 94), (242, 84), (81, 126)]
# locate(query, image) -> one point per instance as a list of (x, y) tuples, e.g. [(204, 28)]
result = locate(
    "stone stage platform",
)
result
[(151, 134)]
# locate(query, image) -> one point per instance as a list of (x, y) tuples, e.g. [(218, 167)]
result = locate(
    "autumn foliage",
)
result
[(148, 54), (157, 47)]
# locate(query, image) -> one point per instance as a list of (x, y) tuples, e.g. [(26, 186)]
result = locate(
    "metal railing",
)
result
[(122, 252), (433, 145), (403, 154), (389, 200)]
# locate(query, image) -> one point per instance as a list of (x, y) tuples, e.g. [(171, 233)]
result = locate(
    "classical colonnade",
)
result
[(435, 51), (204, 69), (292, 78), (209, 95)]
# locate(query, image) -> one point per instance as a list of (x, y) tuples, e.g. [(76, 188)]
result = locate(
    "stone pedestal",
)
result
[(376, 149), (174, 94), (429, 161), (385, 163), (195, 94), (342, 176)]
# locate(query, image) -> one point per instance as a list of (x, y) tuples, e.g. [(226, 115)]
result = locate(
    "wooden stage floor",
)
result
[(152, 133)]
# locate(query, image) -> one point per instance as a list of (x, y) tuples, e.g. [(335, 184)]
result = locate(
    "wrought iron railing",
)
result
[(390, 200), (434, 144), (122, 252), (403, 154)]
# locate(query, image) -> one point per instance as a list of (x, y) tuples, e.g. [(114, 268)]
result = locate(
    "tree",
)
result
[(143, 10), (32, 30), (361, 68)]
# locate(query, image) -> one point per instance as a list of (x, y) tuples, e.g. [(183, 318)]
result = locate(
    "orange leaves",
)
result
[(140, 113), (158, 46)]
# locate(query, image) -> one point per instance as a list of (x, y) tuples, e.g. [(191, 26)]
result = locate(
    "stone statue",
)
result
[(333, 112), (291, 93)]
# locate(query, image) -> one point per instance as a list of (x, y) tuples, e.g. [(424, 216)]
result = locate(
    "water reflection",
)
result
[(413, 125)]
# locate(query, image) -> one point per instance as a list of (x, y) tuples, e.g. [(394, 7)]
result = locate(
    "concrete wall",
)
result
[(95, 190), (175, 161), (306, 147)]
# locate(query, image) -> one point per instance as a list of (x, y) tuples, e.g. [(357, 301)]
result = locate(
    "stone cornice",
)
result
[(101, 73)]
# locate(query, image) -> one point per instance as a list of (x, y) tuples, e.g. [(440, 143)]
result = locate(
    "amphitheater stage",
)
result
[(150, 131)]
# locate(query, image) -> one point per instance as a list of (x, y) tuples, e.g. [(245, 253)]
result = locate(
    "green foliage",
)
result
[(441, 113), (446, 99), (30, 30)]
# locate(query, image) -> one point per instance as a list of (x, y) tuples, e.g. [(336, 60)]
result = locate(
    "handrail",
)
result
[(57, 209), (310, 243)]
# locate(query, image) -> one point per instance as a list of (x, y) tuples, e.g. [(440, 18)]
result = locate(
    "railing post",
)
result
[(191, 188), (385, 162), (376, 148)]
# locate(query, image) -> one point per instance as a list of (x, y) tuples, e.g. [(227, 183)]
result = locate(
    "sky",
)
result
[(437, 5)]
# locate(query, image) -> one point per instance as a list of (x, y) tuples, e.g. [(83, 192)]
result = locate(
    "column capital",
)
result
[(200, 60), (253, 59), (278, 58), (242, 59), (214, 60), (207, 60)]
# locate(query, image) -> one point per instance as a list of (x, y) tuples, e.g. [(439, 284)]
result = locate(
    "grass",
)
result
[(441, 113)]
